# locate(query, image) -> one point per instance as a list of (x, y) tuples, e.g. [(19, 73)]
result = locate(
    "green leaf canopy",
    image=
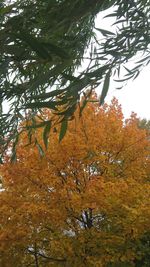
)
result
[(44, 42)]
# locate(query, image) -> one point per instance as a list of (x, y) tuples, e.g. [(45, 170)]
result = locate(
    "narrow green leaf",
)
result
[(97, 73), (105, 32), (83, 106), (13, 156), (143, 59), (137, 74), (46, 133), (119, 21), (49, 94), (137, 67), (29, 137), (123, 80), (40, 149), (111, 15), (63, 129), (129, 71), (105, 87)]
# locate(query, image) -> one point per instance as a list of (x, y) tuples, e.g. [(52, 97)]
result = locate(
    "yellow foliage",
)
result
[(85, 202)]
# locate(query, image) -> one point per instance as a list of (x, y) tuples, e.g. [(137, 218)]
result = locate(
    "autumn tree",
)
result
[(85, 200), (43, 43)]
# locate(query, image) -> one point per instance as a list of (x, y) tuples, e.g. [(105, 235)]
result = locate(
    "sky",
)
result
[(135, 96)]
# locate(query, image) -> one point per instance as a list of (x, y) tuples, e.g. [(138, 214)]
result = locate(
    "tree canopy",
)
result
[(43, 43), (85, 202)]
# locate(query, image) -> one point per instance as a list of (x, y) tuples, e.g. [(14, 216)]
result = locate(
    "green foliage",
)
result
[(42, 44), (144, 124), (143, 249), (46, 133), (63, 129), (105, 87)]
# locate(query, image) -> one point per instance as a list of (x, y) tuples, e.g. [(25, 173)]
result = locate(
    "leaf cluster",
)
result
[(43, 43), (86, 201)]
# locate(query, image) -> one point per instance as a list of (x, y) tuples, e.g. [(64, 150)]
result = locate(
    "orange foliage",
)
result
[(85, 202)]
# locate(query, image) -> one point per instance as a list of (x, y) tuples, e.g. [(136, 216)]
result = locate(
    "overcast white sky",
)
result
[(135, 96)]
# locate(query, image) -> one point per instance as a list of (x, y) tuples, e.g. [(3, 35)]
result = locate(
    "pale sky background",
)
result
[(135, 96)]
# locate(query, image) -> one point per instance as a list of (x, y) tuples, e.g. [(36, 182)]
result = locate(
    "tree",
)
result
[(42, 44), (85, 202)]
